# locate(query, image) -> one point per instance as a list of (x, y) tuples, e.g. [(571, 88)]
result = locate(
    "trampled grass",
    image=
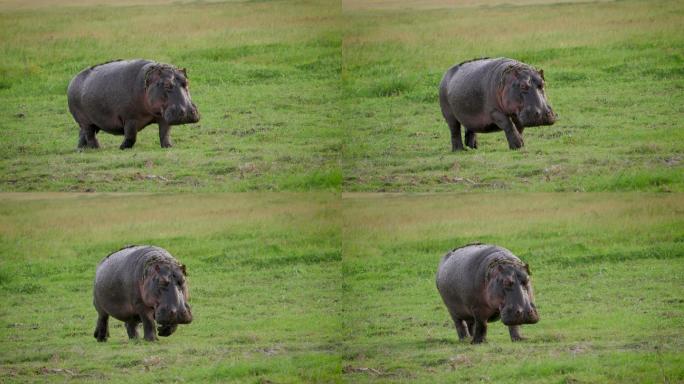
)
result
[(614, 76), (265, 76)]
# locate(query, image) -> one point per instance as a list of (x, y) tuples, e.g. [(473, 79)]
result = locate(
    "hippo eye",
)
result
[(524, 87)]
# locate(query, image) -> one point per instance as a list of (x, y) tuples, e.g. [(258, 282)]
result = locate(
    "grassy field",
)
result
[(323, 95), (607, 269), (290, 288), (265, 76), (614, 75), (264, 279)]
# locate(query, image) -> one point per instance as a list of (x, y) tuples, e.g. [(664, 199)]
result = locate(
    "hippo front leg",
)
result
[(504, 122), (164, 138), (130, 134), (132, 329), (148, 325), (514, 331), (479, 331)]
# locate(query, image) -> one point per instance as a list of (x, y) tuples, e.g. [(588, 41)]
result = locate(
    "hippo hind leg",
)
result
[(102, 328), (471, 138), (461, 329), (455, 129), (86, 136)]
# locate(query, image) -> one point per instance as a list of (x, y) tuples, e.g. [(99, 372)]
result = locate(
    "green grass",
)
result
[(290, 288), (265, 76), (607, 269), (614, 75), (318, 95), (263, 275)]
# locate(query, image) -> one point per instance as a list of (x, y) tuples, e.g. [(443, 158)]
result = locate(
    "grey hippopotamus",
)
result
[(123, 97), (488, 95), (481, 283), (141, 283)]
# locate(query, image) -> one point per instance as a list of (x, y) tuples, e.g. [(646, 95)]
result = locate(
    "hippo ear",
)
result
[(541, 73), (157, 268), (182, 267), (152, 76), (527, 269), (185, 72)]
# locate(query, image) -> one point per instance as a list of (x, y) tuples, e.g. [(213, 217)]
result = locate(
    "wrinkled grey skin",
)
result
[(480, 283), (123, 97), (488, 95), (141, 284)]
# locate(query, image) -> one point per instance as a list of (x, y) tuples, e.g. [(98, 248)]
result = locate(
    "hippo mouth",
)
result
[(534, 117), (175, 115), (530, 316), (165, 330)]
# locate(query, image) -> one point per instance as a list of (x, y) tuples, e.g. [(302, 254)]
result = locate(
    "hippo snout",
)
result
[(176, 114), (193, 115), (516, 315), (534, 116), (174, 316), (549, 117)]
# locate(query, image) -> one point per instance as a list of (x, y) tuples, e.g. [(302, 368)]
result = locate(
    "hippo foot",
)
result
[(519, 338), (100, 336), (166, 145), (127, 144), (516, 144)]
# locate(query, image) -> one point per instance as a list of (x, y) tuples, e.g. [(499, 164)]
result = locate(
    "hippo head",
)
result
[(509, 288), (524, 99), (167, 94), (165, 290)]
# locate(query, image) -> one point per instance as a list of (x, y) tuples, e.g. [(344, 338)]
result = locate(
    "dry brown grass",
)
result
[(365, 5), (32, 4)]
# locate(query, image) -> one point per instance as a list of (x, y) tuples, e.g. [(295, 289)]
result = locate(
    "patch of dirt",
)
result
[(460, 361), (349, 369)]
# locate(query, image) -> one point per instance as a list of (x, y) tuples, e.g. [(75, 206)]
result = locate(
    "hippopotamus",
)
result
[(123, 97), (480, 283), (488, 95), (141, 283)]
